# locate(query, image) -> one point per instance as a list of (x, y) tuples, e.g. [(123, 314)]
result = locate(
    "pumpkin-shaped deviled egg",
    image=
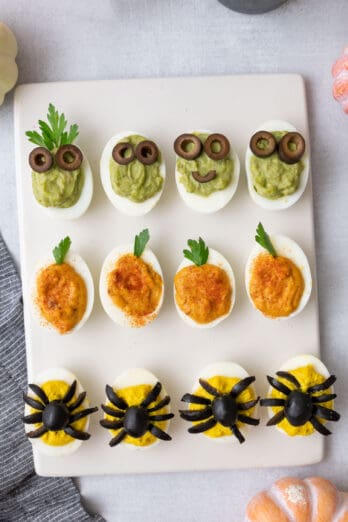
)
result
[(204, 286), (300, 399), (137, 410), (131, 283), (56, 412), (277, 276), (62, 179), (62, 290), (222, 403), (207, 170), (132, 172), (277, 165)]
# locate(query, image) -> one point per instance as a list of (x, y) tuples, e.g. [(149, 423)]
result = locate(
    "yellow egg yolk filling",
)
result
[(224, 385), (134, 395), (56, 390), (307, 376)]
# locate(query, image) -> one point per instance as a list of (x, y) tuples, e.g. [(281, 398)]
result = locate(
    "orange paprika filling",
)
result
[(203, 292), (61, 296), (276, 285), (135, 287)]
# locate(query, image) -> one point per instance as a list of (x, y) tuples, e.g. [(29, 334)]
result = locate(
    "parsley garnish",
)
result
[(263, 239), (53, 133), (199, 252), (61, 250), (140, 242)]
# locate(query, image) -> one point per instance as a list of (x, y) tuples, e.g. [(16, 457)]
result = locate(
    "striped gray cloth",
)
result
[(23, 495)]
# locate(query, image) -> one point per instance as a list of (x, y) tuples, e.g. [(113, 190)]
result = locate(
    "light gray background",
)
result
[(83, 40)]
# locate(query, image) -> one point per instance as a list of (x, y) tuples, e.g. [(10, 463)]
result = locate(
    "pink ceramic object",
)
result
[(340, 84)]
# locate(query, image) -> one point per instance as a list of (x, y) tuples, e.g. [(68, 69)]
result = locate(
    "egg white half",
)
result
[(55, 374), (217, 200), (285, 201), (215, 258), (82, 204), (123, 204), (225, 369), (285, 247), (80, 266), (114, 312), (298, 362), (134, 377)]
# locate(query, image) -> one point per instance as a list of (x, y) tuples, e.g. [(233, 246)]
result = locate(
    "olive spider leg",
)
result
[(242, 385), (152, 395)]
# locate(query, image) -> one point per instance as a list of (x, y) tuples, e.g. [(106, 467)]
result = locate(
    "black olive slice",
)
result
[(204, 179), (263, 144), (291, 147), (40, 159), (146, 152), (188, 146), (223, 146), (123, 153), (69, 157)]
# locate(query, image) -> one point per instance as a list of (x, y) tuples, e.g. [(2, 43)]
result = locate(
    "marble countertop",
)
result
[(152, 38)]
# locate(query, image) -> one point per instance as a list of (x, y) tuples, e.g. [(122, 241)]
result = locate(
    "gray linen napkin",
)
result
[(23, 495)]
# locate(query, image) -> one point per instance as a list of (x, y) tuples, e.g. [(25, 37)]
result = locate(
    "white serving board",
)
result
[(162, 109)]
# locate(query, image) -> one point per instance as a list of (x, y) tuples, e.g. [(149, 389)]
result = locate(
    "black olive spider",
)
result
[(56, 415), (135, 420), (224, 408), (299, 406)]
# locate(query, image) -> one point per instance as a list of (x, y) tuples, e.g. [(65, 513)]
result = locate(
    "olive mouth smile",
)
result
[(204, 179)]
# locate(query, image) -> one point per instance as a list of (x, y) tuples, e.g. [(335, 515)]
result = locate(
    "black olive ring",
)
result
[(224, 146), (290, 154), (40, 159), (119, 153), (69, 157), (146, 152), (263, 152), (181, 146)]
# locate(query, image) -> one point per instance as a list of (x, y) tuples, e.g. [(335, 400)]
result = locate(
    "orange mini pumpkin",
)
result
[(291, 499)]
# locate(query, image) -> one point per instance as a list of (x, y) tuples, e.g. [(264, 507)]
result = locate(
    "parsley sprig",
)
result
[(140, 242), (263, 239), (53, 134), (61, 250), (198, 253)]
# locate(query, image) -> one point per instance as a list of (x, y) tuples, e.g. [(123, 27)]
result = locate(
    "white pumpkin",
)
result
[(8, 66)]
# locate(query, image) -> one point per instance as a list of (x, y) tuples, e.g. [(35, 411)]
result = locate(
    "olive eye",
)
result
[(69, 157), (123, 153), (146, 152), (216, 146), (263, 144), (188, 146), (40, 159), (291, 147)]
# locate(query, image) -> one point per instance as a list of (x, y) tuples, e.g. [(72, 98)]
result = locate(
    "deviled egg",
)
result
[(277, 165), (132, 172), (62, 290), (206, 171), (56, 412), (222, 402), (131, 283), (277, 276), (137, 410), (204, 286), (300, 399), (62, 179)]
